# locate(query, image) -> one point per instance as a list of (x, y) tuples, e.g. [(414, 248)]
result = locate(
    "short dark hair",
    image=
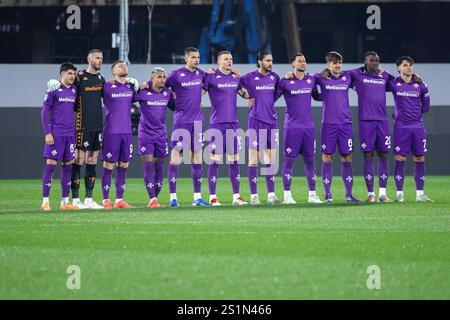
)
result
[(190, 49), (115, 63), (222, 52), (400, 60), (95, 51), (369, 53), (333, 56), (295, 55), (67, 66), (260, 56)]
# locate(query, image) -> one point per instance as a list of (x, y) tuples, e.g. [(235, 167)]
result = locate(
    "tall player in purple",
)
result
[(262, 125), (371, 86), (299, 131), (58, 122), (187, 84), (152, 132), (412, 99), (118, 97), (222, 87), (336, 128)]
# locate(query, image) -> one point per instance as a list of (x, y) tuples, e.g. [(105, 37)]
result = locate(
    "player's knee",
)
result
[(419, 158), (399, 157), (382, 155), (369, 154), (108, 165), (197, 157), (233, 157), (308, 159), (123, 164), (346, 158), (51, 161), (216, 158), (67, 163), (147, 158), (327, 158)]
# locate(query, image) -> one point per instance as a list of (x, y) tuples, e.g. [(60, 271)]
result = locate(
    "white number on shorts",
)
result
[(72, 148), (314, 145), (424, 144), (200, 137), (131, 148), (239, 141), (388, 140), (350, 143)]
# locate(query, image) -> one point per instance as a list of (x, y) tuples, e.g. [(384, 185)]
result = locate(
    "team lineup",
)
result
[(76, 133)]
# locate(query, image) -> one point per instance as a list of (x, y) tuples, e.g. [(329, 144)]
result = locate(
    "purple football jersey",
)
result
[(411, 101), (118, 99), (297, 94), (57, 113), (334, 91), (222, 90), (188, 87), (153, 111), (371, 89), (262, 89)]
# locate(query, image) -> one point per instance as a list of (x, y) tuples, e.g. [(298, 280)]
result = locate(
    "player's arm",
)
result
[(243, 93), (425, 97), (45, 117), (279, 89), (316, 95), (171, 103)]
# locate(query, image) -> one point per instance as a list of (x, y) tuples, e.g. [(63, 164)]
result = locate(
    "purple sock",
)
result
[(120, 182), (235, 177), (172, 177), (399, 174), (159, 176), (327, 176), (65, 179), (49, 169), (149, 178), (106, 182), (288, 172), (213, 176), (383, 172), (310, 172), (368, 172), (347, 177), (252, 173), (196, 171), (419, 175), (270, 180)]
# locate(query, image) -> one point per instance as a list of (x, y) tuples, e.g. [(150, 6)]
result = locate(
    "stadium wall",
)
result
[(21, 135)]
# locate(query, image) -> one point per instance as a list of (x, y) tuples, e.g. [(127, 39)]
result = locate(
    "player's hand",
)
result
[(417, 78), (49, 139), (211, 71), (143, 85), (251, 102), (53, 84), (289, 75), (236, 72), (325, 73), (133, 82)]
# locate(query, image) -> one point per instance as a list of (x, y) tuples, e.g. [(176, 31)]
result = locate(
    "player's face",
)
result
[(159, 79), (192, 59), (406, 68), (226, 61), (266, 63), (372, 62), (120, 70), (335, 66), (68, 76), (95, 60), (299, 64)]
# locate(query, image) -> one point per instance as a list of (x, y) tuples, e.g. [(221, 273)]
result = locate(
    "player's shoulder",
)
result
[(274, 74)]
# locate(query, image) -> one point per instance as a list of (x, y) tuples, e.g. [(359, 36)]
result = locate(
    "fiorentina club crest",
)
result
[(308, 81), (344, 78), (164, 93)]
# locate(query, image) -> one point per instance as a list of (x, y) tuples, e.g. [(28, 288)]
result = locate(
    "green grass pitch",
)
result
[(259, 252)]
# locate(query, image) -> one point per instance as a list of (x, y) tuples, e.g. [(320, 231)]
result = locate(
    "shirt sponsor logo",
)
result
[(334, 87), (66, 99), (157, 103), (301, 91), (266, 87), (191, 83), (407, 94), (95, 88), (122, 95), (227, 85), (374, 81)]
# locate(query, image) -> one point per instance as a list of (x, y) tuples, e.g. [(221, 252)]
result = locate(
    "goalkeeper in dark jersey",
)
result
[(89, 126)]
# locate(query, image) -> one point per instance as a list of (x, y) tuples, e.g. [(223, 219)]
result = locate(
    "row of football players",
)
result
[(182, 91)]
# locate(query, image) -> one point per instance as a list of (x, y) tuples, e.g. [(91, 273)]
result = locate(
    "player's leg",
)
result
[(174, 163), (196, 131), (213, 176), (125, 155), (110, 156), (233, 138), (66, 173), (419, 150), (80, 160), (367, 138), (328, 139), (149, 180), (253, 159), (402, 143), (383, 145), (270, 164), (161, 153), (345, 142), (95, 144), (49, 170), (292, 143), (308, 150)]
